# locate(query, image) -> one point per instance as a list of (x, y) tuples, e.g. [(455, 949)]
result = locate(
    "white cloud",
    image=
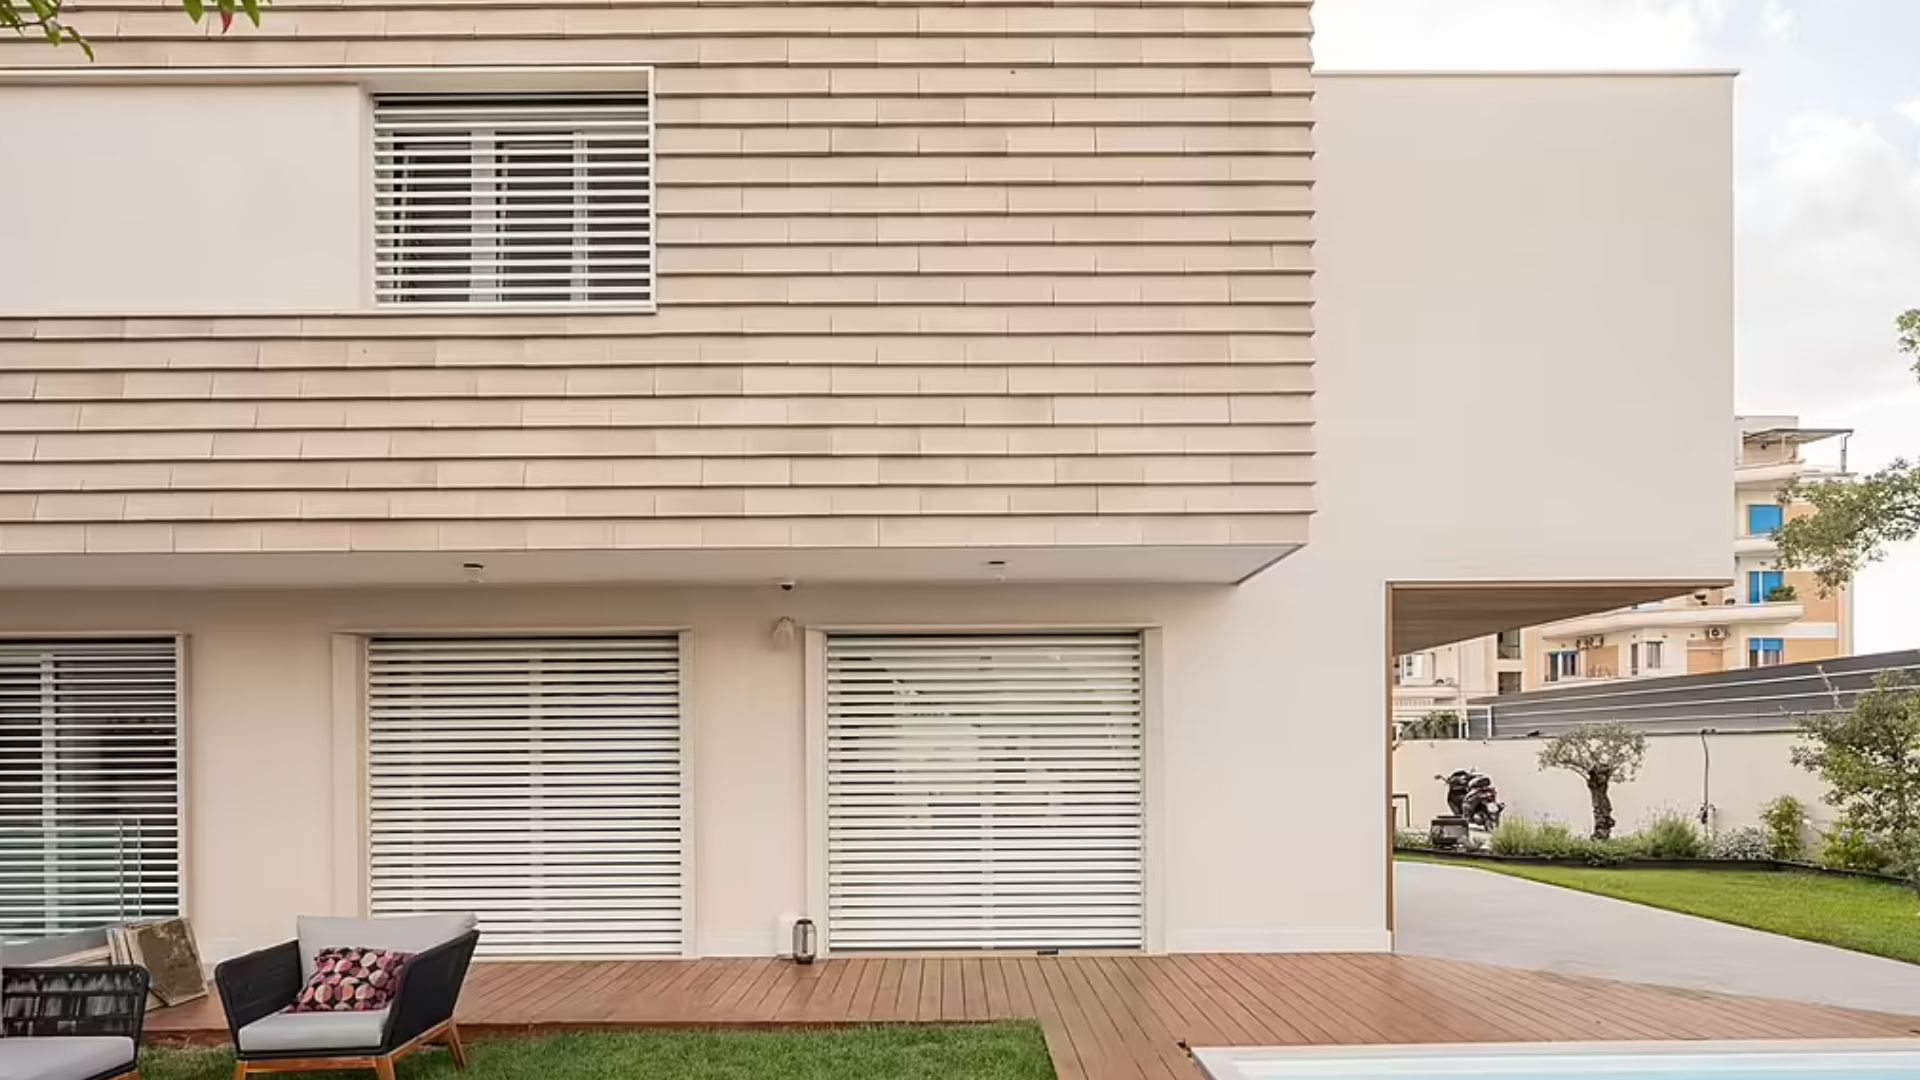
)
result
[(1829, 253), (1777, 19), (1911, 110)]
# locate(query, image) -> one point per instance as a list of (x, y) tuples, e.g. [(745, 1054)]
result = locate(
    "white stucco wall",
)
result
[(1525, 319), (1748, 770), (235, 200), (265, 780)]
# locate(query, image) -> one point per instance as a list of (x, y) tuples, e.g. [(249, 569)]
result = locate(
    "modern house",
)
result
[(1768, 616), (650, 472)]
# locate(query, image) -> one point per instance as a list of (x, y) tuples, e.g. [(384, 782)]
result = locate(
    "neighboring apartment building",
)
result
[(1768, 616), (647, 472)]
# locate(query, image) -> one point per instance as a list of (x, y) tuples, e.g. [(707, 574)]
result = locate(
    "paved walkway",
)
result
[(1459, 913)]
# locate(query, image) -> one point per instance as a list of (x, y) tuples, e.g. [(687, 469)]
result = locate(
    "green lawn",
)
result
[(1000, 1051), (1875, 917)]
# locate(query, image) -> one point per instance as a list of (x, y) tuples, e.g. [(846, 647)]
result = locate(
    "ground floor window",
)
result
[(1765, 651), (984, 791), (89, 784), (533, 780)]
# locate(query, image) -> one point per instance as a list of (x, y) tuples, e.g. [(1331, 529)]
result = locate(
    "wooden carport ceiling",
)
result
[(1426, 614)]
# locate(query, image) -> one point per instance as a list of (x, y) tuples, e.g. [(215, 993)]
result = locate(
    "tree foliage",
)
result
[(1869, 756), (1854, 522), (47, 18), (1438, 724), (1603, 755)]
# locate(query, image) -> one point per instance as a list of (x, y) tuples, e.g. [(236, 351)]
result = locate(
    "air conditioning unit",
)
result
[(1716, 633)]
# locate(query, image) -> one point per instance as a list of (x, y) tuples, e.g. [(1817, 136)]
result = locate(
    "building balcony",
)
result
[(1768, 475), (1756, 544), (1676, 618)]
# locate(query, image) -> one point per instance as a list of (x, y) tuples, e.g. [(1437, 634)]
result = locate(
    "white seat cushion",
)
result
[(64, 1057), (284, 1031), (404, 933)]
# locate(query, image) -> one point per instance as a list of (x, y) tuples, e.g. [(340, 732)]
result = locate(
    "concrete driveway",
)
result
[(1460, 913)]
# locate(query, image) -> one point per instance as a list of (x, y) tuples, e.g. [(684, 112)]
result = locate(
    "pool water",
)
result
[(1879, 1059)]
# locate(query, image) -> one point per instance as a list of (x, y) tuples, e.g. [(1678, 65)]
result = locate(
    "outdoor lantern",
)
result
[(805, 941)]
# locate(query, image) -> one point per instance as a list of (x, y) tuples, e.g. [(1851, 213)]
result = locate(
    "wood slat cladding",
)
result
[(930, 274)]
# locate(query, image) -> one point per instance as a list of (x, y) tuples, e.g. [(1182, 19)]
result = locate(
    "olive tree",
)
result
[(1869, 756), (47, 18), (1603, 755)]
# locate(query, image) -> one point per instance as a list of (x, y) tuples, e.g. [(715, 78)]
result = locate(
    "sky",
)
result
[(1827, 190)]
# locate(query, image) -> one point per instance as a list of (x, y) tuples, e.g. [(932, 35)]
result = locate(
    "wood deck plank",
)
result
[(1117, 1017)]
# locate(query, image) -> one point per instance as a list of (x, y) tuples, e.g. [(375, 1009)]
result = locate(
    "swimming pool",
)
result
[(1846, 1059)]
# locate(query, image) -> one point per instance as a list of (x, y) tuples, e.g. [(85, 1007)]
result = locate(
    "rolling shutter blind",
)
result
[(984, 791), (513, 199), (534, 780), (89, 784)]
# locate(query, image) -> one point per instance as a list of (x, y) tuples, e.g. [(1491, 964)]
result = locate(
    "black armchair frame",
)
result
[(99, 1000), (262, 983)]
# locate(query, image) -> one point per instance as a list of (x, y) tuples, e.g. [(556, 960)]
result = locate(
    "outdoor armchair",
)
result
[(257, 991)]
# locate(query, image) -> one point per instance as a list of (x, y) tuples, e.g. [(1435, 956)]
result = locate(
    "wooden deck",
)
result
[(1119, 1017)]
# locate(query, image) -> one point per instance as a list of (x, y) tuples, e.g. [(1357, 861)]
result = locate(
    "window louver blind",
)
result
[(984, 791), (89, 784), (534, 780), (513, 199)]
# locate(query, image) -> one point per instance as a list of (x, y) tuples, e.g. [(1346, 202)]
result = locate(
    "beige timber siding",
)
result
[(932, 274)]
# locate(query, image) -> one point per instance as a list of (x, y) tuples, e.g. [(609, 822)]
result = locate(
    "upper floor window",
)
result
[(1764, 519), (1414, 668), (1762, 583), (516, 200), (1507, 646)]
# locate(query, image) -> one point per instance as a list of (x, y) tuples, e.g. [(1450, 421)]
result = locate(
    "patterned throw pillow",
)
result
[(351, 980)]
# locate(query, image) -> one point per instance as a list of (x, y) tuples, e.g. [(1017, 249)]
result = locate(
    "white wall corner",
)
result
[(814, 752)]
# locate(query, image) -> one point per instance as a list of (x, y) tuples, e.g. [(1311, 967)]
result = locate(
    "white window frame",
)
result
[(353, 878), (489, 82), (1655, 655), (183, 841), (1153, 779), (1415, 668)]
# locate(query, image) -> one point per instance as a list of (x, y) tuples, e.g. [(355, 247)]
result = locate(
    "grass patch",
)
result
[(1882, 918), (1011, 1050)]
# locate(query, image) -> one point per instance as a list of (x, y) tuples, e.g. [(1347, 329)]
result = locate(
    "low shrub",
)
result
[(1542, 839), (1846, 847), (1669, 836), (1745, 844), (1553, 840), (1409, 839), (1785, 821)]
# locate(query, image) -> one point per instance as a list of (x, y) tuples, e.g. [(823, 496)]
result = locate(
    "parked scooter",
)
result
[(1472, 796)]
